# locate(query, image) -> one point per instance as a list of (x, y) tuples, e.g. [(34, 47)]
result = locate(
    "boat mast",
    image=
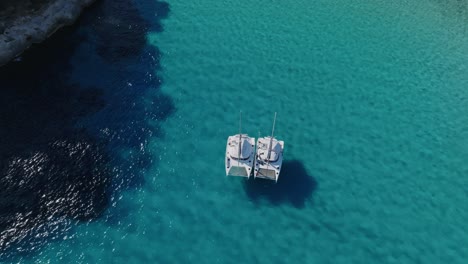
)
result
[(240, 137), (271, 139)]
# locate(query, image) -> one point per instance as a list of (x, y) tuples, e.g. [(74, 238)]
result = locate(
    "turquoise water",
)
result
[(372, 104)]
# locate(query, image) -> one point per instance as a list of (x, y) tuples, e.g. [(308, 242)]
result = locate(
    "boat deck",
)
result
[(267, 174)]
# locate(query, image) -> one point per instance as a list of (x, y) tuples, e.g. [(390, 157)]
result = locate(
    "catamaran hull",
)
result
[(239, 167), (268, 169)]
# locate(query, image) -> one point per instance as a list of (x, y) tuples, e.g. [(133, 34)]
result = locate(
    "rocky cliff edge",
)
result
[(22, 26)]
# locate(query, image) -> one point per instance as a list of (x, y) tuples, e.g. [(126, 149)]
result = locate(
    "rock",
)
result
[(19, 30)]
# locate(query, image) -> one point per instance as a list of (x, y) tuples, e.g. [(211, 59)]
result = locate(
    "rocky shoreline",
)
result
[(25, 22)]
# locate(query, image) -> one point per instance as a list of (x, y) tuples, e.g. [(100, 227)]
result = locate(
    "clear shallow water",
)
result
[(371, 101)]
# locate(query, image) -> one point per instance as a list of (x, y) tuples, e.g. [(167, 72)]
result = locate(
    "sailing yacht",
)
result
[(269, 156), (240, 154)]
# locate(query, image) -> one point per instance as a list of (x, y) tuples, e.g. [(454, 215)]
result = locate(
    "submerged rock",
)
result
[(24, 22)]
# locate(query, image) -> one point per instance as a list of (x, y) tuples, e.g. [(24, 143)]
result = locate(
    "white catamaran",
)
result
[(240, 154), (269, 158)]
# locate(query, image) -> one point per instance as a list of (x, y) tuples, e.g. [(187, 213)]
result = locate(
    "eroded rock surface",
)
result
[(24, 22)]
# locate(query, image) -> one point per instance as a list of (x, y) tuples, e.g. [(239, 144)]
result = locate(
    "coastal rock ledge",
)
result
[(24, 22)]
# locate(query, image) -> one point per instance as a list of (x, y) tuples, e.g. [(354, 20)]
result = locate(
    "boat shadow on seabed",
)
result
[(294, 186)]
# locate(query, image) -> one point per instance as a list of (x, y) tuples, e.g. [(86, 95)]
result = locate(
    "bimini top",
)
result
[(275, 149), (246, 148)]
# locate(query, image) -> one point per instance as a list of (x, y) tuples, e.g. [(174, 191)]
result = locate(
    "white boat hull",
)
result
[(264, 168), (242, 166)]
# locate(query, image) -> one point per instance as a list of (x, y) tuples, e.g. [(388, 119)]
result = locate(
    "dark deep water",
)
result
[(71, 125), (112, 150)]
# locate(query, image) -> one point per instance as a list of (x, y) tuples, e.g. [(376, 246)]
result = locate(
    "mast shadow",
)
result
[(294, 186)]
